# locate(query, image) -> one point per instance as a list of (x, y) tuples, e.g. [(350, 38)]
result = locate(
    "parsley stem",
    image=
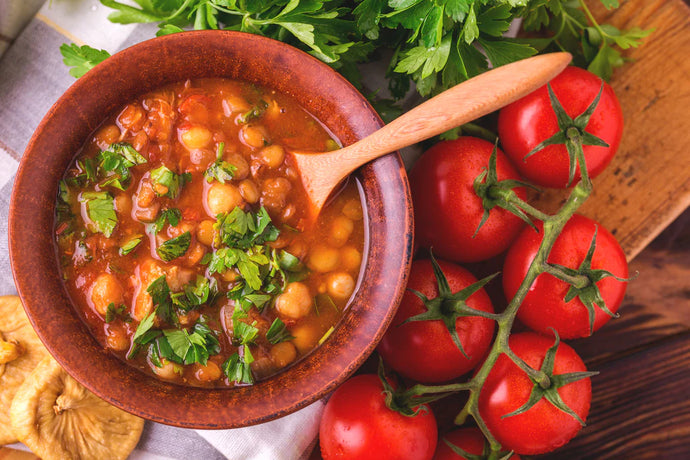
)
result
[(591, 18)]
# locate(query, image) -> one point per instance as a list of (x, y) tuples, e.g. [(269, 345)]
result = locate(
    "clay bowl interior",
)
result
[(123, 77)]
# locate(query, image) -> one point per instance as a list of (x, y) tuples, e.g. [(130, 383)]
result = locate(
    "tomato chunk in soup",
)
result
[(183, 239)]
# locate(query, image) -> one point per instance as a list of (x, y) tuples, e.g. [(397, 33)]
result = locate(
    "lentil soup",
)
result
[(183, 239)]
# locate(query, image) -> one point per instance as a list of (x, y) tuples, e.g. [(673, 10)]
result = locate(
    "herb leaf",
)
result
[(81, 58), (168, 183), (237, 368), (278, 332), (175, 247), (130, 245), (220, 170), (100, 207)]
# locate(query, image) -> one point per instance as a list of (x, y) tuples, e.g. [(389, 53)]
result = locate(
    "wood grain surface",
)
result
[(647, 184)]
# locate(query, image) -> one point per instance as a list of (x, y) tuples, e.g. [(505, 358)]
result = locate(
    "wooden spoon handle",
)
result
[(465, 102)]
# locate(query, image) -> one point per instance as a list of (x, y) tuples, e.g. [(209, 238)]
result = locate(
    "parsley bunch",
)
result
[(436, 43)]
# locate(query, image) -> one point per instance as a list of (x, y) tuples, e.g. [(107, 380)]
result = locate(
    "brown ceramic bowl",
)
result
[(147, 66)]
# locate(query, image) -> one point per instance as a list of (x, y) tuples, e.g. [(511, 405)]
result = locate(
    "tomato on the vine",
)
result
[(470, 440), (424, 350), (545, 304), (356, 423), (447, 209), (542, 427), (525, 123)]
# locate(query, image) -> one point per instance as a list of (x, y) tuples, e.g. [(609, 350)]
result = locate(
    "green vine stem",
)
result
[(553, 225)]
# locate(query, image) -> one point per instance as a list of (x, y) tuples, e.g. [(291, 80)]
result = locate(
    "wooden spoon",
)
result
[(474, 98)]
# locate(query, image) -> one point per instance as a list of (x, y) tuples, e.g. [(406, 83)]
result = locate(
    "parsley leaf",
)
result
[(278, 332), (100, 208), (130, 245), (113, 312), (238, 368), (172, 216), (243, 333), (160, 295), (220, 170), (114, 164), (244, 230), (196, 294), (175, 247), (168, 183), (81, 58)]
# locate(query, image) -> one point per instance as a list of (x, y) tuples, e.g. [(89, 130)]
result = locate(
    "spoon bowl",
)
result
[(322, 172)]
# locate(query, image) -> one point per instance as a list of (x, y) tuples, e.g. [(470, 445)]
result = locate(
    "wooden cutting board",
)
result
[(648, 183)]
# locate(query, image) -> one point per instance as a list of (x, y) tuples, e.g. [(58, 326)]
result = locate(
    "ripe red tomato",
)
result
[(357, 424), (543, 427), (470, 439), (424, 350), (447, 210), (544, 305), (527, 122)]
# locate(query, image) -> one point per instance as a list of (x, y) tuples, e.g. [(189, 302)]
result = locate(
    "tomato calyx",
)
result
[(447, 306), (583, 283), (486, 454), (571, 132), (548, 388), (498, 193), (411, 401)]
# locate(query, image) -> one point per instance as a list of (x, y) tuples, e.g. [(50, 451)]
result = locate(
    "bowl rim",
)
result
[(32, 206)]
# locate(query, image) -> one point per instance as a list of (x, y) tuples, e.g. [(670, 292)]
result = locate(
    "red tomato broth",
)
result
[(157, 125)]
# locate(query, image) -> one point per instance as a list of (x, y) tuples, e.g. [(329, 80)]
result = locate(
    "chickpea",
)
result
[(274, 192), (340, 231), (143, 304), (230, 275), (222, 198), (353, 210), (189, 318), (306, 337), (196, 137), (194, 255), (323, 259), (253, 136), (201, 158), (131, 117), (204, 232), (249, 191), (350, 258), (295, 302), (123, 203), (240, 163), (145, 195), (140, 141), (207, 373), (283, 353), (340, 285), (233, 104), (107, 135), (116, 338), (106, 289), (169, 371), (272, 156), (148, 214)]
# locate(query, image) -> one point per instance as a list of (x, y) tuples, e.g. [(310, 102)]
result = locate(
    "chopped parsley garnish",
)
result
[(130, 245), (278, 332), (196, 294), (220, 170), (326, 335), (252, 114), (180, 345), (248, 263), (168, 183), (238, 368), (243, 333), (160, 295), (114, 312), (175, 247), (114, 164), (172, 216), (100, 208), (239, 229)]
